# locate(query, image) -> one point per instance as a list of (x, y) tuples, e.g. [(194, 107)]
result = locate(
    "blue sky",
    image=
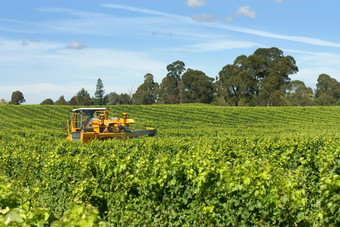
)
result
[(50, 48)]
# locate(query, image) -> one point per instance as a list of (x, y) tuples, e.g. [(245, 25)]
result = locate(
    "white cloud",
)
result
[(49, 63), (76, 45), (316, 59), (312, 64), (102, 22), (70, 12), (195, 3), (203, 17), (144, 11), (14, 53), (310, 75), (229, 19), (299, 39), (47, 70), (278, 1), (245, 11), (221, 45)]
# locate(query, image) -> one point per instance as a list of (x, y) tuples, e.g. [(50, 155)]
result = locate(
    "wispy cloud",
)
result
[(40, 58), (220, 45), (310, 74), (223, 26), (99, 21), (195, 3), (229, 19), (245, 11), (21, 26), (76, 45), (312, 64), (46, 63), (299, 39), (151, 40), (144, 11), (29, 41), (71, 12), (203, 17), (316, 59)]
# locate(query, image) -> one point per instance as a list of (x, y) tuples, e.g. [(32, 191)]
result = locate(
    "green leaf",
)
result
[(13, 217)]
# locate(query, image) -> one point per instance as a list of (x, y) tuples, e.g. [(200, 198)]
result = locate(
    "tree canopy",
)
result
[(17, 98), (260, 79), (83, 97), (327, 90), (147, 93), (196, 87), (170, 86), (298, 94), (99, 97), (61, 101), (47, 101), (73, 101)]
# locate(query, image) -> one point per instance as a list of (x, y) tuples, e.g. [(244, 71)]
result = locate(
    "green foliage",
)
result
[(260, 77), (17, 98), (47, 102), (99, 96), (114, 99), (73, 101), (61, 101), (169, 93), (209, 166), (83, 98), (298, 94), (170, 88), (197, 87), (235, 83), (327, 90), (147, 93)]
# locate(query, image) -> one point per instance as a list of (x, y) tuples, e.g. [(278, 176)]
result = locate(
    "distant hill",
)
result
[(3, 102)]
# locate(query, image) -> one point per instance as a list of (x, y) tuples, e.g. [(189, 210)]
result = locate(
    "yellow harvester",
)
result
[(87, 124)]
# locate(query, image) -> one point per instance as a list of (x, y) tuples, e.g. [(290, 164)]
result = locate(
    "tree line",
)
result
[(260, 79)]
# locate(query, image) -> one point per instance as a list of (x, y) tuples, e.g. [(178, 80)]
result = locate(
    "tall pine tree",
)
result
[(99, 94)]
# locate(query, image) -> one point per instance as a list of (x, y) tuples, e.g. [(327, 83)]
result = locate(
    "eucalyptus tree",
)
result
[(298, 94), (170, 87), (147, 93), (327, 90), (197, 87), (17, 98), (273, 74), (258, 79)]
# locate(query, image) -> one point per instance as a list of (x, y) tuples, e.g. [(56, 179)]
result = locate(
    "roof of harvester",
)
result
[(87, 109)]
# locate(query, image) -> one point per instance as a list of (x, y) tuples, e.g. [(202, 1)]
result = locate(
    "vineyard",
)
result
[(208, 166)]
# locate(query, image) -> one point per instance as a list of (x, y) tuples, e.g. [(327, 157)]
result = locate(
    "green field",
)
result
[(209, 165)]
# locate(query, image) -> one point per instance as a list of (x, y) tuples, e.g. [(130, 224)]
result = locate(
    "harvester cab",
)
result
[(87, 124)]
